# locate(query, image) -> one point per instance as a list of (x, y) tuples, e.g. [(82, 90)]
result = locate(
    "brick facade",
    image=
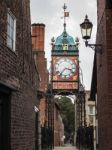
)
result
[(104, 74), (38, 40), (42, 108), (18, 74), (38, 36)]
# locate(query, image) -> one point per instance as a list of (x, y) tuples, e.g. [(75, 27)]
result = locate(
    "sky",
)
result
[(50, 12)]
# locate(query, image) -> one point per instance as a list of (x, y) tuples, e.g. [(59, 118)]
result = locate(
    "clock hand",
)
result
[(70, 69), (64, 70)]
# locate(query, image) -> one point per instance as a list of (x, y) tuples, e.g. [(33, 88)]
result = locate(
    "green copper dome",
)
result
[(65, 42), (64, 38)]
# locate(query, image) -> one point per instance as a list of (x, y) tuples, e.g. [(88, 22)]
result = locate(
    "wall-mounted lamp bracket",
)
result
[(96, 47)]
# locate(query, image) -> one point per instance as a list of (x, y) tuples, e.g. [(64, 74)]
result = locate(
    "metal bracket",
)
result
[(96, 47)]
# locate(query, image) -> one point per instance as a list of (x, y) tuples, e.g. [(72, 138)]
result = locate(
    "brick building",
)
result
[(38, 40), (101, 89), (18, 78)]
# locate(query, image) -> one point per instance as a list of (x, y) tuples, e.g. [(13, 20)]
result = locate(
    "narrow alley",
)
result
[(54, 93)]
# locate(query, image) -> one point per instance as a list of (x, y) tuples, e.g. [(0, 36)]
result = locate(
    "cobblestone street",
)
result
[(68, 147)]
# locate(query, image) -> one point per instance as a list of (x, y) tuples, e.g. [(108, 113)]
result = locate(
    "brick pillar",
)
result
[(104, 75), (38, 35)]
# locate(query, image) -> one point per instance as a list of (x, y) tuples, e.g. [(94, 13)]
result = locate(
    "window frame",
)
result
[(91, 110), (11, 29)]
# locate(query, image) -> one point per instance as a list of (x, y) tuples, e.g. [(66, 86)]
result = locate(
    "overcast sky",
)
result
[(50, 12)]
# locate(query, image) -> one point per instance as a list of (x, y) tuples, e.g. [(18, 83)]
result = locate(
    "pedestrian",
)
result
[(63, 140)]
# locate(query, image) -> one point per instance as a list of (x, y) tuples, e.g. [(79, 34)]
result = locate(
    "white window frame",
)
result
[(11, 30)]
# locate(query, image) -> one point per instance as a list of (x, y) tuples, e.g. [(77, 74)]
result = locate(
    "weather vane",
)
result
[(66, 14)]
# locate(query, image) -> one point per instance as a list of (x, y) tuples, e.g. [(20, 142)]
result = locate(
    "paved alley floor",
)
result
[(66, 147)]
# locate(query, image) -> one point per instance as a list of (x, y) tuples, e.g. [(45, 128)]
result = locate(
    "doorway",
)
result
[(4, 121)]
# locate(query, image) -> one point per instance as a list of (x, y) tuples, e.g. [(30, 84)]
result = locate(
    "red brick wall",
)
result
[(38, 33), (104, 76), (101, 9), (42, 108), (17, 70), (38, 37), (42, 67)]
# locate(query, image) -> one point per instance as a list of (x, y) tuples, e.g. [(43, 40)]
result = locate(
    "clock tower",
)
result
[(65, 62)]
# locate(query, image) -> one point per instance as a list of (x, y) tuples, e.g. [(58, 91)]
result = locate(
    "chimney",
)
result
[(38, 35)]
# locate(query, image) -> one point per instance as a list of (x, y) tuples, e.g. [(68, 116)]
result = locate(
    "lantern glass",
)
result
[(86, 29)]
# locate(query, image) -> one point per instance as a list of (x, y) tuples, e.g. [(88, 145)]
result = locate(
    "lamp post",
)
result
[(86, 30)]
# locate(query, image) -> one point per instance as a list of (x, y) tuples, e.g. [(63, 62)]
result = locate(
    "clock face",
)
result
[(65, 68)]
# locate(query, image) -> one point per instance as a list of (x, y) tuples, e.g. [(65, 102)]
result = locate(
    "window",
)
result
[(91, 110), (11, 30), (91, 120)]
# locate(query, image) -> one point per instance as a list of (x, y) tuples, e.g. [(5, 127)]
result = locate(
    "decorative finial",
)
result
[(77, 42), (64, 7), (86, 18), (52, 39), (52, 42)]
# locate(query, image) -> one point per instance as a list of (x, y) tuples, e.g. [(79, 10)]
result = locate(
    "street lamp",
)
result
[(86, 30)]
